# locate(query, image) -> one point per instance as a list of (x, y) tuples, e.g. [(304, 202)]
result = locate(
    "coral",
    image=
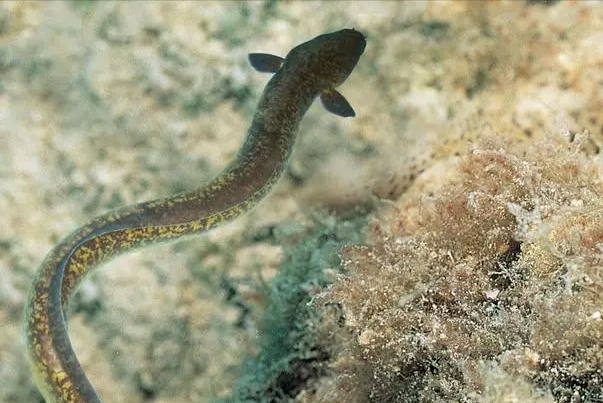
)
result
[(497, 275)]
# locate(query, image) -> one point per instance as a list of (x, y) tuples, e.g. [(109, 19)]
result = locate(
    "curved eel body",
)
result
[(311, 69)]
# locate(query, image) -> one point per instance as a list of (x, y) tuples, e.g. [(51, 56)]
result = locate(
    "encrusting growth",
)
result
[(497, 277)]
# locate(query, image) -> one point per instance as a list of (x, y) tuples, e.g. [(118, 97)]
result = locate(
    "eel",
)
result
[(311, 69)]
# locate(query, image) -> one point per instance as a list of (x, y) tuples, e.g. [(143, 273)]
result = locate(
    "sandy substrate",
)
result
[(105, 104)]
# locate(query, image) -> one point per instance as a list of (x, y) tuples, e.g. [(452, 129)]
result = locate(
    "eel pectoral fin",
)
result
[(335, 103), (265, 62)]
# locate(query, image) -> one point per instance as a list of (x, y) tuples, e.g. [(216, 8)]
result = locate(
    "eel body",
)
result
[(311, 69)]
